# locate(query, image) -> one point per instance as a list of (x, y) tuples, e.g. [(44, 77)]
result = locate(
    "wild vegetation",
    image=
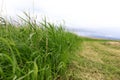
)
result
[(47, 51), (33, 51)]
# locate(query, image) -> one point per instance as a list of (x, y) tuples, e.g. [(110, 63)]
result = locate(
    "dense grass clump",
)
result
[(35, 52)]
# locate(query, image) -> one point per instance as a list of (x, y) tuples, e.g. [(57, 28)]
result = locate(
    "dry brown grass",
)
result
[(110, 50), (89, 53), (96, 61), (113, 43)]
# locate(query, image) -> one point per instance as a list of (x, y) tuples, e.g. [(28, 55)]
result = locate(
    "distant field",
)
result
[(96, 60)]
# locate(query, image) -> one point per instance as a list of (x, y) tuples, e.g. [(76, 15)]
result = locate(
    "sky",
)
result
[(102, 15)]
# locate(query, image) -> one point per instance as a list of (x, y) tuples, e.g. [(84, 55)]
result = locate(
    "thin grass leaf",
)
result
[(35, 70), (21, 78)]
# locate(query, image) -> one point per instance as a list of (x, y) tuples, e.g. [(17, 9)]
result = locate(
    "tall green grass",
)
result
[(35, 51)]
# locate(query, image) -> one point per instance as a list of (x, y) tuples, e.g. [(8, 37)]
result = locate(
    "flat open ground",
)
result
[(96, 60)]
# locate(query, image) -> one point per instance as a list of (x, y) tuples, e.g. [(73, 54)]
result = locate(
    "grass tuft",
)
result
[(35, 51)]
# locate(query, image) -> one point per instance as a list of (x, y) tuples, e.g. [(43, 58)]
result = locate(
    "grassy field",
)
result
[(96, 60), (47, 51)]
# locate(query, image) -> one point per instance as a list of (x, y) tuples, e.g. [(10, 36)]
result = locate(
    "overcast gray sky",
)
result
[(93, 14)]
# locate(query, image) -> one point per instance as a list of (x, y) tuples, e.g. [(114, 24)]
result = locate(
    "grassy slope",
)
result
[(96, 60)]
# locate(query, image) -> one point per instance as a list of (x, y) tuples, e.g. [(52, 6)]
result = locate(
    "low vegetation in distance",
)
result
[(47, 51)]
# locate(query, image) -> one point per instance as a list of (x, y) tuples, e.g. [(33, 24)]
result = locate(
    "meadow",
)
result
[(47, 51), (96, 59)]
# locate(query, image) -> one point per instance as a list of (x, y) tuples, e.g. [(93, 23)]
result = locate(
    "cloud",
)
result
[(92, 13), (83, 13)]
